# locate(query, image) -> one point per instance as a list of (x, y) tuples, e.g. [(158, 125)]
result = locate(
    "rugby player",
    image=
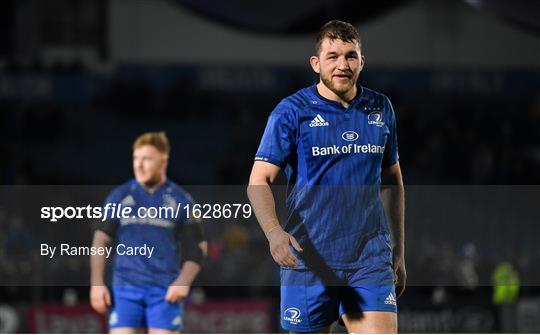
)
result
[(341, 250), (148, 293)]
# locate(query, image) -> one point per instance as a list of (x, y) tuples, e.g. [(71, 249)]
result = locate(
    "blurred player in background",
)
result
[(148, 292), (337, 144)]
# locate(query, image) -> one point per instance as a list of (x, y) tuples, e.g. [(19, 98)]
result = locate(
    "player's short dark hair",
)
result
[(337, 30)]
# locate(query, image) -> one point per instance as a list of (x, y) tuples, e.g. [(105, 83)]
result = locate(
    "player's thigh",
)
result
[(307, 306), (127, 313), (163, 331), (126, 330), (370, 305), (367, 298), (374, 322), (325, 330), (161, 315)]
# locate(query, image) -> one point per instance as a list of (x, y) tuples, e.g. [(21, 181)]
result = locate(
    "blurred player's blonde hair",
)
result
[(337, 30), (158, 140)]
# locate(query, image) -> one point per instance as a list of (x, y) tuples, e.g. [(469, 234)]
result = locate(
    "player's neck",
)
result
[(343, 99), (153, 186)]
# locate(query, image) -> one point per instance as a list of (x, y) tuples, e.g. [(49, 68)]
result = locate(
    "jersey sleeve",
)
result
[(190, 233), (279, 138), (189, 218), (109, 226), (391, 155)]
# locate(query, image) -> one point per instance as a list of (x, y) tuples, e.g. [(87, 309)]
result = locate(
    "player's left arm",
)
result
[(194, 250), (393, 196)]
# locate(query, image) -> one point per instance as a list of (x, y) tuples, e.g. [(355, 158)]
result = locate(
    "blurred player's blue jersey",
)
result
[(161, 233), (333, 158)]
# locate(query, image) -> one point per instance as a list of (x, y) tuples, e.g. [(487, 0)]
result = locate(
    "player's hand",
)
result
[(279, 242), (100, 298), (400, 274), (176, 293)]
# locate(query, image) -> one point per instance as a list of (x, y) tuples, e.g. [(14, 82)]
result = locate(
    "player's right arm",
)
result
[(262, 200), (100, 297)]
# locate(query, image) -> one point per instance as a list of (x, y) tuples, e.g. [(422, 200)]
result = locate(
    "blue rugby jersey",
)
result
[(161, 233), (333, 158)]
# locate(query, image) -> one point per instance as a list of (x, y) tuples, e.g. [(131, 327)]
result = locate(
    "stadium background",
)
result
[(80, 79)]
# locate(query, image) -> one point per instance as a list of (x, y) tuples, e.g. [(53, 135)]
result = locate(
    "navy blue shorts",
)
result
[(144, 307), (307, 305)]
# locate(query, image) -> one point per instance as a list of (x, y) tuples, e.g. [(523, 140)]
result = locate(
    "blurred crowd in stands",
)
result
[(445, 139)]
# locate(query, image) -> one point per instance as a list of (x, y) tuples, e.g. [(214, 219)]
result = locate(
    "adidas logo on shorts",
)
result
[(318, 121), (390, 300)]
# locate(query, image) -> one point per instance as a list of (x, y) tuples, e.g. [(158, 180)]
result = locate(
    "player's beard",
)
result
[(339, 89), (152, 182)]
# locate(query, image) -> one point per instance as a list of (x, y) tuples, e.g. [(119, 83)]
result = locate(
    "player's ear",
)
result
[(165, 161), (315, 64), (362, 62)]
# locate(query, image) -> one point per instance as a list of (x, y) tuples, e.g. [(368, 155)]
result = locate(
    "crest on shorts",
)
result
[(292, 314), (113, 318)]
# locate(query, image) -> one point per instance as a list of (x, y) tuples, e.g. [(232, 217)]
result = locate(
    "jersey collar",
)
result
[(157, 191), (359, 95)]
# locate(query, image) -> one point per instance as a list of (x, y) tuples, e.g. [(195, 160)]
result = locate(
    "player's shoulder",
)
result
[(297, 101), (301, 98), (121, 191), (176, 191), (374, 98), (377, 103)]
